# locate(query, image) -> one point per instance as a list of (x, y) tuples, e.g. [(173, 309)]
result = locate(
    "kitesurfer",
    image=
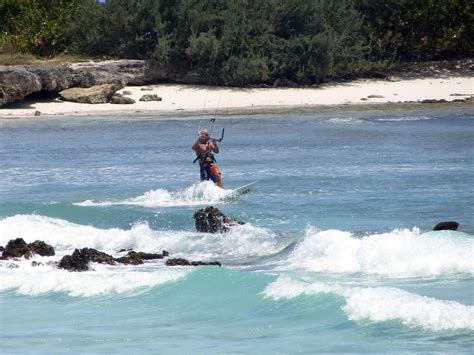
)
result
[(205, 147)]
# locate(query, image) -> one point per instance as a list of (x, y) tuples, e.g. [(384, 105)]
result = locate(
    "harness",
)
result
[(205, 155)]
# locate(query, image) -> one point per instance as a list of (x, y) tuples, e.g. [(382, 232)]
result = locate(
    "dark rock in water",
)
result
[(16, 248), (448, 225), (148, 256), (41, 248), (132, 258), (177, 262), (98, 256), (80, 259), (1, 249), (206, 263), (165, 253), (184, 262), (212, 220)]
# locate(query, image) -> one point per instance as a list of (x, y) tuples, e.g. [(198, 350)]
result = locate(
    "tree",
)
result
[(39, 27), (418, 30)]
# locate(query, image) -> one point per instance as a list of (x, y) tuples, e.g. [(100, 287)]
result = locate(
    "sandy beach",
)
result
[(188, 99)]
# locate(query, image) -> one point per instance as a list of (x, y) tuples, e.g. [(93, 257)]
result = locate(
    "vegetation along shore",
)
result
[(235, 55)]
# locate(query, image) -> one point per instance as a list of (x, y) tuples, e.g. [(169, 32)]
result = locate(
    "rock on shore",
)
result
[(17, 82), (99, 94)]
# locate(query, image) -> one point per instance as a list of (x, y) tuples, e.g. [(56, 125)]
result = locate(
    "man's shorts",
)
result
[(209, 171)]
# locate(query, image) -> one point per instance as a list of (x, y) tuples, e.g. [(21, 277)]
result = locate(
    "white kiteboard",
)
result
[(242, 190)]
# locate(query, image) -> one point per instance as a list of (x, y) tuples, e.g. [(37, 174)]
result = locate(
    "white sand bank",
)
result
[(190, 98)]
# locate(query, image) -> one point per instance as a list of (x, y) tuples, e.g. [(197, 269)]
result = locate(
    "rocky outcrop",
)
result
[(152, 256), (150, 97), (184, 262), (448, 225), (80, 259), (41, 248), (132, 258), (90, 79), (17, 248), (52, 78), (136, 258), (16, 83), (100, 94), (212, 220), (121, 100), (124, 72)]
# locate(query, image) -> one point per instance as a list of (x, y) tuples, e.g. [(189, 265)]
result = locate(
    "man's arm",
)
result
[(214, 146)]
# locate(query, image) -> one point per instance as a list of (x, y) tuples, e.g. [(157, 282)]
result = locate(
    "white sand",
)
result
[(196, 99)]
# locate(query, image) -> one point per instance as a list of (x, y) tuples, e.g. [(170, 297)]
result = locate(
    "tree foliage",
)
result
[(418, 30), (39, 27), (244, 42)]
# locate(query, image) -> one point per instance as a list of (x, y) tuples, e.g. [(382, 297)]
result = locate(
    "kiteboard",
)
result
[(243, 190)]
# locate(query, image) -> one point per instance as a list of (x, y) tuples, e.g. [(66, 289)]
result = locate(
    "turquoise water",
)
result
[(337, 253)]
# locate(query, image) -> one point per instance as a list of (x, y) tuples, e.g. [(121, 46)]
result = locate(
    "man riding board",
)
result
[(205, 147)]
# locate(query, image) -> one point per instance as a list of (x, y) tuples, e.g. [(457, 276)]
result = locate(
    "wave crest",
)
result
[(399, 253), (197, 194)]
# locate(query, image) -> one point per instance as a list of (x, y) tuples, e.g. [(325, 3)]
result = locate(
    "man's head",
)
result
[(203, 135)]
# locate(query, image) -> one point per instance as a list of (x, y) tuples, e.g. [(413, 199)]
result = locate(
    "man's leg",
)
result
[(216, 175)]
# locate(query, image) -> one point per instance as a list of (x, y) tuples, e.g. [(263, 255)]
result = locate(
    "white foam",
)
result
[(384, 304), (381, 304), (345, 120), (65, 236), (242, 241), (28, 280), (286, 288), (400, 253), (198, 194), (402, 119)]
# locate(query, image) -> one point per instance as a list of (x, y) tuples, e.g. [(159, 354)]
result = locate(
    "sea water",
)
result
[(337, 253)]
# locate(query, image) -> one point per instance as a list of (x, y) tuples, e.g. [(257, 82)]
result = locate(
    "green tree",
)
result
[(39, 27), (418, 30)]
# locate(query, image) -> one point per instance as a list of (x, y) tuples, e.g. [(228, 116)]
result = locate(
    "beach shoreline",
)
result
[(187, 100)]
